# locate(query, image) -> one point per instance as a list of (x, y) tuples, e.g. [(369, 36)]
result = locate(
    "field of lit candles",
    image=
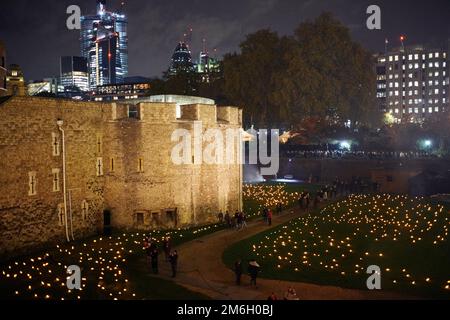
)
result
[(408, 238), (112, 268), (261, 195)]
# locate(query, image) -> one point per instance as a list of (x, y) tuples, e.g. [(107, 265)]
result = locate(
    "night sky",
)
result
[(35, 32)]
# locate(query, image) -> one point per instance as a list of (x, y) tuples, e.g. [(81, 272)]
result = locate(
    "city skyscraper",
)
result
[(207, 66), (74, 73), (181, 59), (104, 44)]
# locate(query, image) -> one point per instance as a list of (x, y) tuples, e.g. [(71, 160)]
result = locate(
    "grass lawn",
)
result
[(111, 268), (406, 237)]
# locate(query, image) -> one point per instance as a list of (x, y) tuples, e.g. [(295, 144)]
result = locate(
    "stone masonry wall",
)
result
[(113, 163)]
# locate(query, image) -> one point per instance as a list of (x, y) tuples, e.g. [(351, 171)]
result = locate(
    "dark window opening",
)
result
[(172, 217), (139, 218)]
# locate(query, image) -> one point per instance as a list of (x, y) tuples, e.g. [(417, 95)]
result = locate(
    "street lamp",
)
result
[(345, 145)]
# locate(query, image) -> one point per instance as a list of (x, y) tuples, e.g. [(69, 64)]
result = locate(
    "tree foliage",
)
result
[(318, 72)]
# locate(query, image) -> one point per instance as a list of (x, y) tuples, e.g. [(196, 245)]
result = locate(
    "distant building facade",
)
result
[(413, 83), (74, 73), (15, 82), (120, 92), (104, 44), (207, 67), (118, 166), (46, 85)]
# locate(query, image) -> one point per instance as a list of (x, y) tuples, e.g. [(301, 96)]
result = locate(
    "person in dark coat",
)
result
[(154, 257), (253, 270), (220, 217), (240, 220), (265, 214), (300, 200), (167, 247), (147, 249), (307, 200), (228, 219), (269, 217), (238, 271), (279, 208), (173, 258), (236, 219)]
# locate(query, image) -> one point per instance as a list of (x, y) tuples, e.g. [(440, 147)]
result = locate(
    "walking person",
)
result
[(244, 220), (167, 247), (236, 219), (265, 214), (300, 200), (269, 217), (240, 220), (147, 249), (173, 259), (228, 219), (220, 217), (253, 270), (238, 271), (307, 200), (279, 208), (154, 258)]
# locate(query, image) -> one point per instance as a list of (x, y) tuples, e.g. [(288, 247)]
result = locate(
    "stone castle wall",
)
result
[(114, 163)]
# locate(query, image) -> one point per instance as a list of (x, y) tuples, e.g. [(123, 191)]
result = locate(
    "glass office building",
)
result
[(104, 44), (74, 73)]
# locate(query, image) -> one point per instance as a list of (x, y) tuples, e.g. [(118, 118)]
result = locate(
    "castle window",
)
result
[(55, 144), (61, 214), (155, 217), (140, 165), (99, 167), (32, 181), (139, 218), (55, 175), (112, 165), (84, 209), (99, 144)]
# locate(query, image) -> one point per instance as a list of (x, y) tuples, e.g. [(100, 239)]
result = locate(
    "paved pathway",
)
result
[(201, 269)]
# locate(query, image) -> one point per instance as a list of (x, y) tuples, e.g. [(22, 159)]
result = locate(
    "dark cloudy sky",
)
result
[(35, 32)]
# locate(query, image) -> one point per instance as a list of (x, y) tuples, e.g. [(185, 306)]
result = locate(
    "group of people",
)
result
[(332, 191), (362, 155), (238, 220), (152, 251), (253, 269), (267, 216)]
